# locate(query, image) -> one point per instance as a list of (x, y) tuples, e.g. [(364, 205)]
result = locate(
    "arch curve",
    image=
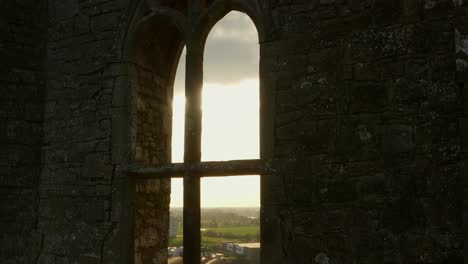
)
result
[(151, 47), (156, 40), (219, 9)]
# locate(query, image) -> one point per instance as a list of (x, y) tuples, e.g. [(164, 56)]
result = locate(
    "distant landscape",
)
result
[(236, 224), (230, 235)]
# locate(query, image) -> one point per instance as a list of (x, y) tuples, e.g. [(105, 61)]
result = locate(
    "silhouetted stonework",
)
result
[(368, 102), (365, 123), (22, 86)]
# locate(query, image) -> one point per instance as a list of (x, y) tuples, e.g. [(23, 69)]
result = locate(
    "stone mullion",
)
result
[(193, 118)]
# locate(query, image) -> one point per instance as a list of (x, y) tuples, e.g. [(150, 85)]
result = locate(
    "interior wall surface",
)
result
[(368, 140), (109, 80), (82, 184), (22, 86), (461, 53), (370, 132)]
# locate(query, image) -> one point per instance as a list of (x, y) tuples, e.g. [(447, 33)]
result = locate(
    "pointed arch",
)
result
[(231, 77), (219, 9), (142, 118)]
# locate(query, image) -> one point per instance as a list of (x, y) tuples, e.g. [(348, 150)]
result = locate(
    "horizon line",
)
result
[(220, 207)]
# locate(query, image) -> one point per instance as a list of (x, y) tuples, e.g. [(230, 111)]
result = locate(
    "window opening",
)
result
[(175, 247), (178, 112), (239, 160), (230, 206), (230, 90), (230, 219)]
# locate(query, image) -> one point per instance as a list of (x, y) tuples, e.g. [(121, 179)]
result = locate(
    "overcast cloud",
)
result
[(231, 52)]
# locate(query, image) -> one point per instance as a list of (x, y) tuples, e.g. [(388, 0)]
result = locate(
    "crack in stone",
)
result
[(41, 248), (103, 244)]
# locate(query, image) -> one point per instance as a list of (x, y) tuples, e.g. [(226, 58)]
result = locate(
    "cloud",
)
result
[(235, 26), (230, 62), (231, 52)]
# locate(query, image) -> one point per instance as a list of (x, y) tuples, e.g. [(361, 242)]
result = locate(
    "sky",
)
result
[(230, 124)]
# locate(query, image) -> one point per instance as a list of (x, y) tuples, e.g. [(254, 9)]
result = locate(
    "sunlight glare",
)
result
[(230, 108)]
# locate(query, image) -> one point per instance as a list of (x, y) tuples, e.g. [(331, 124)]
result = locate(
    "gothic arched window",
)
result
[(202, 158)]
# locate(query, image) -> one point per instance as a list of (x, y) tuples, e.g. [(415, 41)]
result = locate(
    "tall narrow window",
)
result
[(230, 131), (175, 249), (230, 127), (215, 206)]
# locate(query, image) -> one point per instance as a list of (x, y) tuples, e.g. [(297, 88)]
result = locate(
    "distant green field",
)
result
[(175, 242), (237, 230), (206, 241), (212, 242), (235, 233)]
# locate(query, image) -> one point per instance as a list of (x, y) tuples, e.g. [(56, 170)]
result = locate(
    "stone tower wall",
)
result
[(366, 104), (22, 86), (368, 101)]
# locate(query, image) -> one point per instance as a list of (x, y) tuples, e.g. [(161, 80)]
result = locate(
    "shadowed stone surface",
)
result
[(22, 87), (365, 126)]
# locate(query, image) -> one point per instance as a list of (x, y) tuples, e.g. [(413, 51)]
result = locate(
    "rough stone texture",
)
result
[(368, 102), (103, 112), (366, 125), (22, 86), (79, 214), (461, 34)]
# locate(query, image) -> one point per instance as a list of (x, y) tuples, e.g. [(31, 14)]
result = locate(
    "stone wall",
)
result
[(81, 189), (366, 100), (461, 42), (22, 85), (107, 107), (367, 137)]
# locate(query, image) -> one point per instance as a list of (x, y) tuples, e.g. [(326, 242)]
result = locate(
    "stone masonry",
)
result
[(23, 30), (364, 123)]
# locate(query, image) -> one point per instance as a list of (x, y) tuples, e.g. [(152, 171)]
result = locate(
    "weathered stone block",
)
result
[(316, 136), (277, 233), (103, 22), (398, 138), (358, 138), (96, 166), (368, 97), (373, 44)]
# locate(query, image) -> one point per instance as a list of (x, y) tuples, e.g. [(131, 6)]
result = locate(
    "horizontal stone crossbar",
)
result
[(203, 169)]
